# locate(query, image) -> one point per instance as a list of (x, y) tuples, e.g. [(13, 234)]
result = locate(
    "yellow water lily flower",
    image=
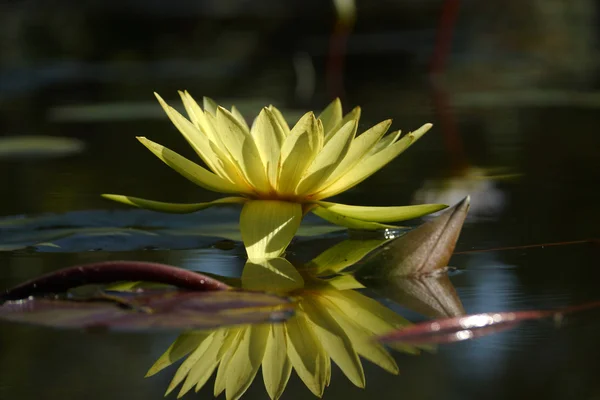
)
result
[(280, 173), (330, 324)]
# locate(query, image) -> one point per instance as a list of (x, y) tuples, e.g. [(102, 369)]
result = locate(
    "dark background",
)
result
[(511, 87)]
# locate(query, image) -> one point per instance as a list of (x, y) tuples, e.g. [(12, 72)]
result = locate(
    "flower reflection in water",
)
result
[(333, 322)]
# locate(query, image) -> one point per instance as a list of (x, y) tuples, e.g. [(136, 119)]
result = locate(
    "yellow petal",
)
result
[(242, 149), (280, 119), (177, 208), (331, 116), (369, 165), (335, 342), (246, 360), (183, 345), (342, 255), (195, 173), (203, 120), (298, 151), (240, 118), (205, 366), (271, 275), (192, 108), (381, 214), (328, 159), (353, 115), (351, 223), (359, 147), (268, 226), (230, 345), (343, 282), (217, 160), (386, 141), (306, 354), (367, 312), (362, 340), (276, 366), (189, 362), (269, 137), (209, 105)]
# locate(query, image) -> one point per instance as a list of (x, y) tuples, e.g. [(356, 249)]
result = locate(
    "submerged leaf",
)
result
[(158, 309)]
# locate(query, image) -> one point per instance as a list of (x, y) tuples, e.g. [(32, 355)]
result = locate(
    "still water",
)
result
[(527, 156)]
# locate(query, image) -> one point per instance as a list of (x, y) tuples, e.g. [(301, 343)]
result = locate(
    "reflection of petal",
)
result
[(342, 255), (276, 367), (187, 365), (205, 366), (432, 296), (226, 354), (272, 275), (246, 360), (185, 344), (306, 354), (335, 342), (364, 344)]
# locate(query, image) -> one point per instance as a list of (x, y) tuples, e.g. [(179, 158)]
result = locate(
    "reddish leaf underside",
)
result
[(109, 272), (155, 309)]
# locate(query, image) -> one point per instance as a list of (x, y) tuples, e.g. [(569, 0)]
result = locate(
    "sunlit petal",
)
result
[(351, 223), (209, 105), (306, 354), (334, 341), (192, 171), (386, 141), (268, 136), (381, 214), (242, 149), (359, 147), (209, 152), (280, 119), (176, 208), (271, 275), (276, 367), (331, 115), (240, 118), (268, 226), (246, 360), (369, 165), (328, 159), (353, 115), (298, 151), (185, 344)]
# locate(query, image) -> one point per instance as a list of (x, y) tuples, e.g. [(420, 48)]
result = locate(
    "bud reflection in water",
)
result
[(333, 322)]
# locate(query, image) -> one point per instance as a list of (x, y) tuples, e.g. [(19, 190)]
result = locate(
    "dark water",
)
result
[(514, 126)]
